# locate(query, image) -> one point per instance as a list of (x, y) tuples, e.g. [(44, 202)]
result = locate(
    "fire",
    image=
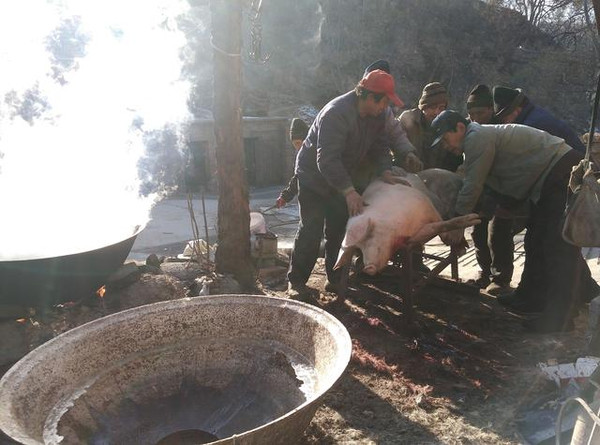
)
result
[(100, 292)]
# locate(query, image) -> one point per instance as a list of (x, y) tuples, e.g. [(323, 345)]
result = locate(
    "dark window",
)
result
[(250, 155), (197, 174)]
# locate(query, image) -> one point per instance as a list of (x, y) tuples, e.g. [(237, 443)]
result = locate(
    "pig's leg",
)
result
[(430, 230), (345, 256)]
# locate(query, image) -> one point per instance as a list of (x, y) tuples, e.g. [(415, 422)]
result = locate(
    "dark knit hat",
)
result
[(506, 100), (480, 96), (433, 94), (380, 64), (298, 129)]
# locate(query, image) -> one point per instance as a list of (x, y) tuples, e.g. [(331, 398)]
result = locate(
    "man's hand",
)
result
[(453, 237), (354, 202), (412, 163), (280, 202), (389, 178)]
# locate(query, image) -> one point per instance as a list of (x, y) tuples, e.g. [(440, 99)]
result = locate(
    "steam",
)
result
[(82, 84)]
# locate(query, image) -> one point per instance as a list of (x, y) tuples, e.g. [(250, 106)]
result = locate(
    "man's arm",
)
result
[(331, 140), (570, 137), (380, 153), (479, 156), (288, 193), (397, 138), (542, 119)]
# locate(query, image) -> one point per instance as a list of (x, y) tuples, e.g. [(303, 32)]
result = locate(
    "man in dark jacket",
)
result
[(348, 130), (513, 107), (298, 131), (522, 163)]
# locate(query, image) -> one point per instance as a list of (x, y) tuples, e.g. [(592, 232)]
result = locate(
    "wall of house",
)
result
[(269, 156)]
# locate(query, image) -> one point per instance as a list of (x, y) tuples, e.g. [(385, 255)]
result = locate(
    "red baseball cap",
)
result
[(379, 81)]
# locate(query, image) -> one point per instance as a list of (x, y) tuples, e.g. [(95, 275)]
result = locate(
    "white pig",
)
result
[(394, 216)]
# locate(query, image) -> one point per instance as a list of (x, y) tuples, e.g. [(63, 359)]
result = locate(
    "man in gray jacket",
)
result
[(520, 163), (347, 132)]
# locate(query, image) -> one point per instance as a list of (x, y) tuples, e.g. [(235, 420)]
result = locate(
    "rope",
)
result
[(219, 50), (593, 123)]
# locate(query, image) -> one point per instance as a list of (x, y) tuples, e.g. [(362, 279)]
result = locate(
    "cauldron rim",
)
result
[(43, 282), (303, 412), (138, 229)]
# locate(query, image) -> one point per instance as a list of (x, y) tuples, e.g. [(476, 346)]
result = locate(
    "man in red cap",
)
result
[(348, 131)]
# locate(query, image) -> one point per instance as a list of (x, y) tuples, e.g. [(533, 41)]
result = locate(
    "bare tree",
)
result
[(535, 11), (593, 31)]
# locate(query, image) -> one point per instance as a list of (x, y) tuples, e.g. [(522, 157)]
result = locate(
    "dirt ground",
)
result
[(460, 374)]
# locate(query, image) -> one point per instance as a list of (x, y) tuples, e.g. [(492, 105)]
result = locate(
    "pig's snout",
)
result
[(370, 269)]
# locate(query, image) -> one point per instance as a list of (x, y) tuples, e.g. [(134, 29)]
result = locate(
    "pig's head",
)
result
[(376, 246)]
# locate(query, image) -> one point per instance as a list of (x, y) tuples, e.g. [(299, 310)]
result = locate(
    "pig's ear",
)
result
[(359, 228)]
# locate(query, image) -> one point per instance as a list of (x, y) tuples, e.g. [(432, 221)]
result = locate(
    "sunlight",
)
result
[(83, 82)]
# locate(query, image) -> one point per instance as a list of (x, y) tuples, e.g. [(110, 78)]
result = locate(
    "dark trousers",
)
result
[(555, 273), (317, 212), (493, 242)]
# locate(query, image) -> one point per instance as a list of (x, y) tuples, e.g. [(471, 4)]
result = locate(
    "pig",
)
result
[(442, 187), (397, 216)]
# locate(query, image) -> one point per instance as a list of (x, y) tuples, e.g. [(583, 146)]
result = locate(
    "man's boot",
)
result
[(482, 280), (498, 288), (298, 292), (331, 286)]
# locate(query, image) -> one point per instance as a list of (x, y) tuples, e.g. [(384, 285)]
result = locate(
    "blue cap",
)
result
[(444, 122)]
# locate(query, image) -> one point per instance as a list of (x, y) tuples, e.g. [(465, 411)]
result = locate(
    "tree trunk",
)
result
[(596, 4), (233, 251), (593, 32)]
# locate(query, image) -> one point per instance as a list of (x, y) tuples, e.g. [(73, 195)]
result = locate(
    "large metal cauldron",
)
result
[(228, 369), (45, 281)]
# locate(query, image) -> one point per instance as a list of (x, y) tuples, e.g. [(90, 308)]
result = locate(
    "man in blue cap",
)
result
[(493, 238), (519, 163)]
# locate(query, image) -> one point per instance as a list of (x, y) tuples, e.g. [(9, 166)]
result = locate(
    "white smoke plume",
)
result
[(82, 84)]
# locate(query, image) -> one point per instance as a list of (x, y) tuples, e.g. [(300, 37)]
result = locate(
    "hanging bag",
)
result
[(582, 215)]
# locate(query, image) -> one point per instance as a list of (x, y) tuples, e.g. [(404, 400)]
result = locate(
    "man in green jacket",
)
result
[(493, 238), (520, 163)]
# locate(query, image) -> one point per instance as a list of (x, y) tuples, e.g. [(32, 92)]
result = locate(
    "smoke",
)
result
[(83, 84)]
